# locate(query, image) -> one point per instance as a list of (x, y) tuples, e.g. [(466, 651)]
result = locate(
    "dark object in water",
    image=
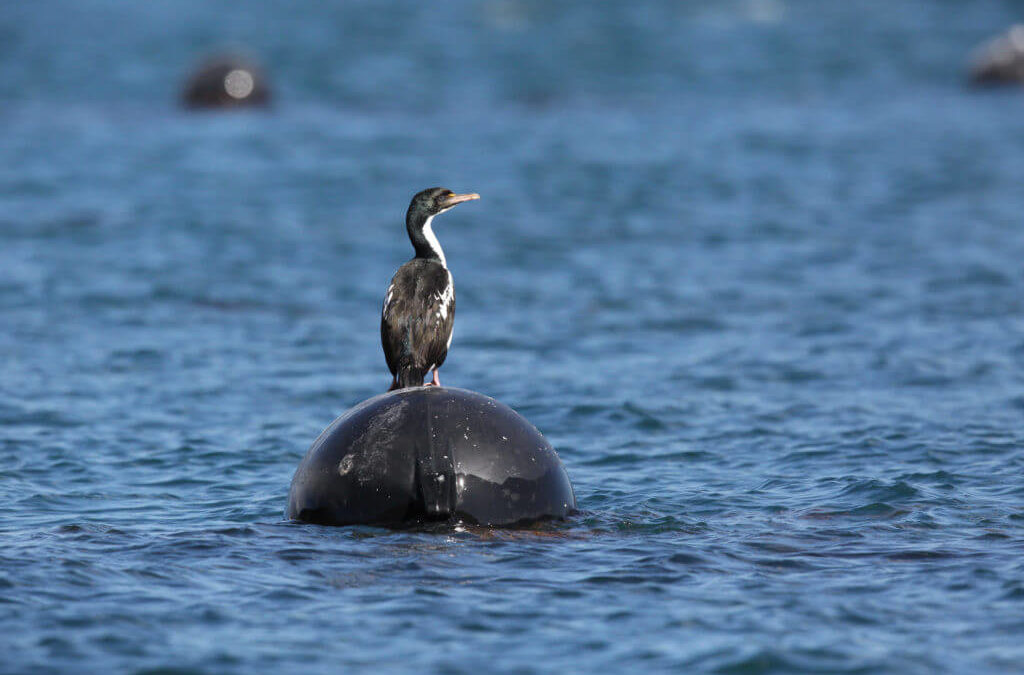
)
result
[(226, 81), (1000, 60), (430, 454)]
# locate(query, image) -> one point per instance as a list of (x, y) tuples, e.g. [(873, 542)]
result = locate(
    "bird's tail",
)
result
[(409, 376)]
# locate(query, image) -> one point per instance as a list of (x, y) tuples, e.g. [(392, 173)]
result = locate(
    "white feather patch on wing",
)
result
[(444, 298), (387, 301), (449, 293)]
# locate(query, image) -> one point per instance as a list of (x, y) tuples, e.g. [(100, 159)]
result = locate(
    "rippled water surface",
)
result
[(755, 268)]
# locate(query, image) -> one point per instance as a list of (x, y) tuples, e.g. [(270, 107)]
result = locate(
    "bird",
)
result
[(419, 306)]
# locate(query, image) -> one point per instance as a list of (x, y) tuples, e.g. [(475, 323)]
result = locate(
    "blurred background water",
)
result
[(753, 266)]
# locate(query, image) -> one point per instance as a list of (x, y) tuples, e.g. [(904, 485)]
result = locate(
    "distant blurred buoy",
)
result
[(430, 454), (1000, 60), (226, 81)]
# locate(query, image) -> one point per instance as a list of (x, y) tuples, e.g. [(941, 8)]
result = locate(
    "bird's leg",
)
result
[(394, 383), (435, 382)]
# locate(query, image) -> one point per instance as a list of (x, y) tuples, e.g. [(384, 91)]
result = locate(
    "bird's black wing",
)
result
[(418, 316)]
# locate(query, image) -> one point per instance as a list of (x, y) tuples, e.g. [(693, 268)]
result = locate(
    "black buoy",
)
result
[(1000, 60), (429, 454), (226, 81)]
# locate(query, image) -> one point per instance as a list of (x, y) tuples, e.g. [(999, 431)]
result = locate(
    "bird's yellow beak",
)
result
[(454, 199)]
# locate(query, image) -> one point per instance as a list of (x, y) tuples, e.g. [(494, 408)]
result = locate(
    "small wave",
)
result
[(879, 510), (880, 491)]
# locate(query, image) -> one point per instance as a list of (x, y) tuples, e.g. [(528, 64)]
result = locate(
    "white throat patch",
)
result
[(435, 245)]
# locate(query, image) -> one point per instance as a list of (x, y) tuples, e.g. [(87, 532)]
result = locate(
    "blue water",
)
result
[(755, 268)]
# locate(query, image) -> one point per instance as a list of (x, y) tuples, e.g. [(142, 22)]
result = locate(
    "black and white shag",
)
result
[(419, 306)]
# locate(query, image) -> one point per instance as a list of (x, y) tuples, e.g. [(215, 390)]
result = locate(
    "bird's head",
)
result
[(433, 201)]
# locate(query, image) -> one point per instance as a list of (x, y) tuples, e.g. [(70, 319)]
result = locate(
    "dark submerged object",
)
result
[(1000, 60), (418, 315), (226, 81), (430, 454)]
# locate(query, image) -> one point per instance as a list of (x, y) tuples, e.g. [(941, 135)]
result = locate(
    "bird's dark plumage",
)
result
[(417, 320), (419, 307)]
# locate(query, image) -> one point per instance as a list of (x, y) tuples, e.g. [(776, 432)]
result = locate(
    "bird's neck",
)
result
[(423, 239)]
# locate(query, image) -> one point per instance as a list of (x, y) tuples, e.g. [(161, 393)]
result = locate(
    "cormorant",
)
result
[(419, 307)]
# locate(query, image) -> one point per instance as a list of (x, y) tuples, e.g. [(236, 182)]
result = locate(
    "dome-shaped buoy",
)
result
[(1000, 60), (429, 454), (226, 81)]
